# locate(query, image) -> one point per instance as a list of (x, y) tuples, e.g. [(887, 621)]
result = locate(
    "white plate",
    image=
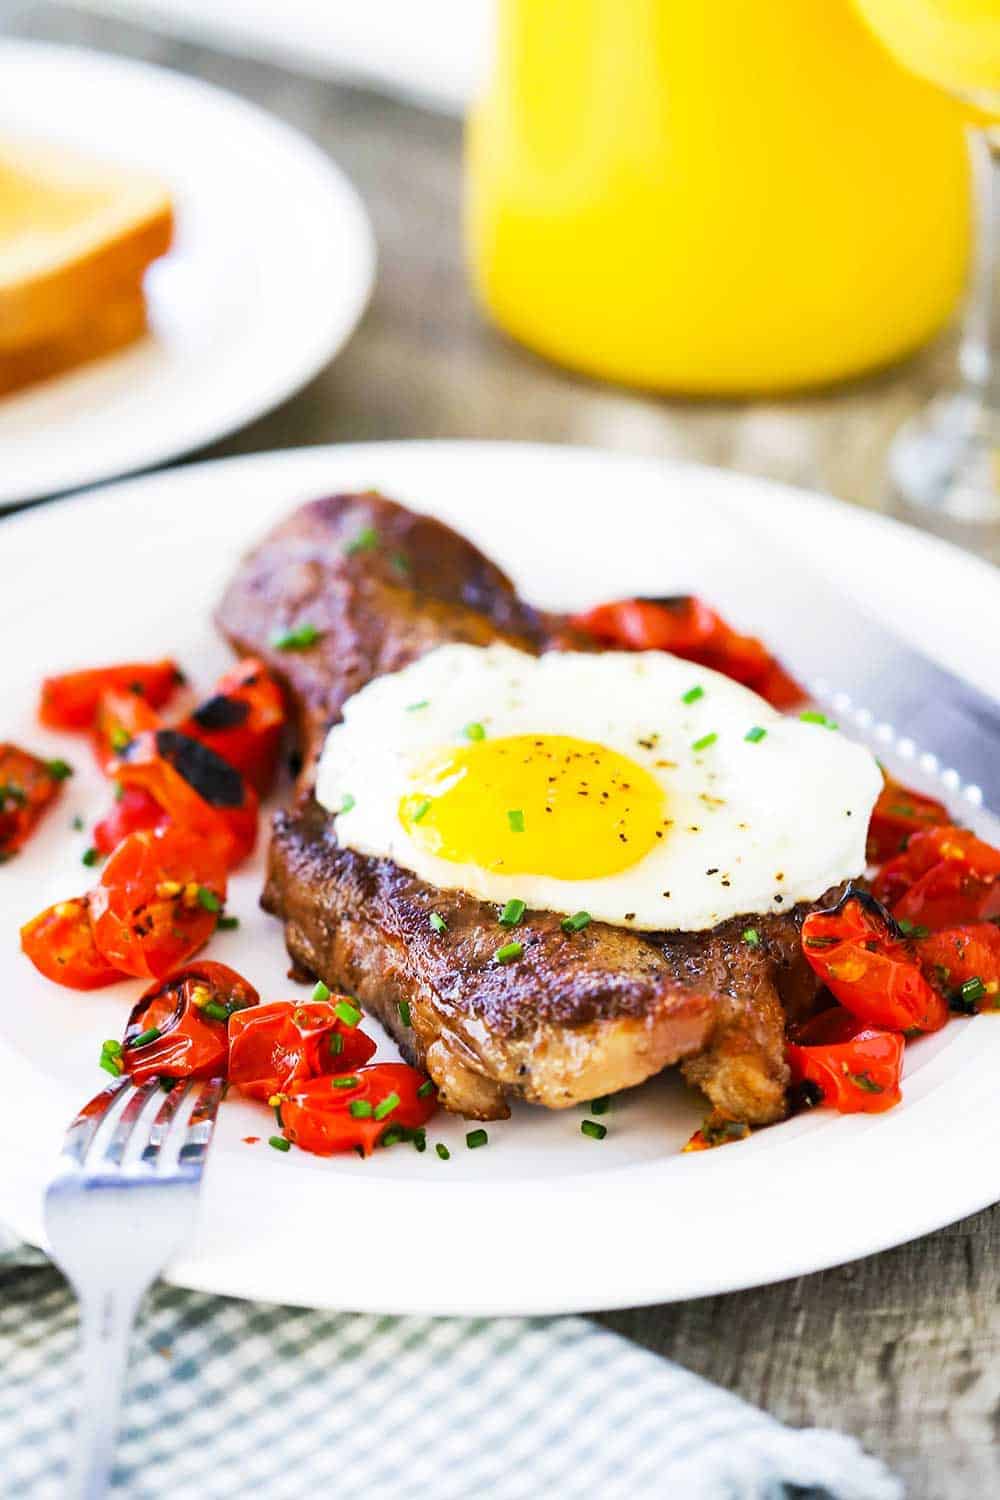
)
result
[(542, 1219), (272, 266)]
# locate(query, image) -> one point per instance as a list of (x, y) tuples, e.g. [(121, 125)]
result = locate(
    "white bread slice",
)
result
[(109, 327), (74, 233)]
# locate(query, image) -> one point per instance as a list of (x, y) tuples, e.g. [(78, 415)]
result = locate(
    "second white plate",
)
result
[(543, 1219), (273, 264)]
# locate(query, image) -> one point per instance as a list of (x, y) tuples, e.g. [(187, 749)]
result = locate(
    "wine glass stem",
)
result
[(979, 356)]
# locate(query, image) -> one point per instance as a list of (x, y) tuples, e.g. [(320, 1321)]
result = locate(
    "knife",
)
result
[(849, 660)]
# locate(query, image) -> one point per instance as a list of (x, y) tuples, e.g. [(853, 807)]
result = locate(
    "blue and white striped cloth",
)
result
[(227, 1399)]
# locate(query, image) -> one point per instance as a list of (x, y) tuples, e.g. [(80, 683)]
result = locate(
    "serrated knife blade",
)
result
[(848, 658)]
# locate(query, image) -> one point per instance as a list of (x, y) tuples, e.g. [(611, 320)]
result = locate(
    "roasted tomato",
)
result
[(870, 967), (273, 1047), (965, 963), (857, 1067), (132, 812), (157, 901), (196, 788), (60, 944), (382, 1103), (28, 785), (898, 814), (242, 722), (945, 877), (70, 701), (179, 1027), (686, 626), (119, 718)]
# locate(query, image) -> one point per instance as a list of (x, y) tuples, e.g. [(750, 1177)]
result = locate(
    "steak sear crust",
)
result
[(578, 1014)]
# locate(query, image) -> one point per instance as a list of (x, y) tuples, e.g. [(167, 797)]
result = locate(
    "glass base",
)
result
[(947, 458)]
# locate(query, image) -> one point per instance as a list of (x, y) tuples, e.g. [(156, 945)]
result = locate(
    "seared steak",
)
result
[(579, 1014)]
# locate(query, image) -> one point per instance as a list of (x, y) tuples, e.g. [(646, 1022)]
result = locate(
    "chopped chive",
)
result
[(476, 1138), (577, 922), (474, 731), (913, 929), (404, 1012), (693, 694), (421, 810), (336, 1044), (59, 770), (119, 737), (411, 708), (813, 716), (705, 741), (228, 924), (145, 1037), (78, 824), (348, 1013), (755, 735), (296, 638), (391, 1136), (512, 913), (751, 937), (419, 1138), (401, 564), (508, 952), (360, 1109), (320, 991), (347, 802), (595, 1131), (215, 1011), (112, 1047), (386, 1106), (427, 1087), (972, 990), (279, 1143), (600, 1106), (365, 541), (442, 1151), (110, 1065), (208, 899), (515, 820), (90, 857), (348, 1082), (438, 923)]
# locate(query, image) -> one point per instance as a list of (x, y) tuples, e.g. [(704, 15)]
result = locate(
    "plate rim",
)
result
[(324, 336), (965, 1194)]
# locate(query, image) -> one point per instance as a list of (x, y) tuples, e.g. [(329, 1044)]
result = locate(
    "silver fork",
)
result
[(122, 1201)]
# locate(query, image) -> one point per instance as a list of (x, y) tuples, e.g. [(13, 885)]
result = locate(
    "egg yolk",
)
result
[(535, 805)]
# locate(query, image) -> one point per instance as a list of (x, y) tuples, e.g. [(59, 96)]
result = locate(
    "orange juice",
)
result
[(707, 198), (955, 43)]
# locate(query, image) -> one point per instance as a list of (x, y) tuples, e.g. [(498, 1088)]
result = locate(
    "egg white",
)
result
[(757, 826)]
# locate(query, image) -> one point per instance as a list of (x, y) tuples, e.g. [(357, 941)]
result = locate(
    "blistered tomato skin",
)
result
[(275, 1047), (242, 722), (28, 787), (356, 1111), (60, 944), (157, 902), (856, 1067), (867, 964), (197, 789), (180, 1026), (70, 700)]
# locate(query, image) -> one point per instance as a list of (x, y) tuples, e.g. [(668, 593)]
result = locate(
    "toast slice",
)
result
[(75, 235), (110, 327)]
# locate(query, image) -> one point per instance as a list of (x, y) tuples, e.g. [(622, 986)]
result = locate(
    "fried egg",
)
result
[(636, 787)]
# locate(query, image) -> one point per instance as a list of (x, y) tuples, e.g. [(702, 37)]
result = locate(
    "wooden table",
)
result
[(900, 1349)]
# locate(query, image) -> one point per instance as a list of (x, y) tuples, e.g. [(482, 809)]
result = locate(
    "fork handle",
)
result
[(106, 1320)]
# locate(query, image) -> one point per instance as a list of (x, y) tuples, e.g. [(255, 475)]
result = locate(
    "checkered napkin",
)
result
[(228, 1399)]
